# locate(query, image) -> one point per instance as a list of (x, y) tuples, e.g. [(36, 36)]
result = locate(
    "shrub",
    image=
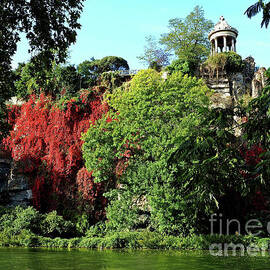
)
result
[(21, 219), (179, 65), (230, 62), (53, 225), (155, 149)]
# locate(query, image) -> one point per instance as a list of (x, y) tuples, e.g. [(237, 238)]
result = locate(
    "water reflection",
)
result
[(47, 259)]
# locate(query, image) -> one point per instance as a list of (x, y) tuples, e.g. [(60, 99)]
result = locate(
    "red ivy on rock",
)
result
[(46, 139), (91, 192)]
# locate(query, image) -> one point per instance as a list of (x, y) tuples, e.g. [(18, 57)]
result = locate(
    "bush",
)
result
[(180, 65), (234, 62), (19, 219), (25, 224), (230, 62), (53, 225), (99, 237), (82, 224)]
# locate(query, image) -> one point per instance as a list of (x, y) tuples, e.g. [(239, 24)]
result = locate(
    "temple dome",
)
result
[(223, 37), (222, 25)]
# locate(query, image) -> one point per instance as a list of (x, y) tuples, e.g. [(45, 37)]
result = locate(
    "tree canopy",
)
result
[(187, 38), (55, 80), (154, 54), (50, 28), (49, 25), (90, 70)]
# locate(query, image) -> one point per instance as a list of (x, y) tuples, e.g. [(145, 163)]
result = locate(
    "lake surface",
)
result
[(45, 259)]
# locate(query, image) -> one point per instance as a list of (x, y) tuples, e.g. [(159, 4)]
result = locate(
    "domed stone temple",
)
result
[(223, 37), (230, 87)]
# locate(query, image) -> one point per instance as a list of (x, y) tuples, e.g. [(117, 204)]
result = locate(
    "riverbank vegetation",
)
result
[(26, 227)]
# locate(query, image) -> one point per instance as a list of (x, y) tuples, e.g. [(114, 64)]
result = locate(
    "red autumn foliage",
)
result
[(86, 185), (46, 139), (252, 157), (13, 113), (91, 192)]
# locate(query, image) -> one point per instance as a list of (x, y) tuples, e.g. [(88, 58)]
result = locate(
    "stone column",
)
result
[(225, 44), (216, 45), (233, 45)]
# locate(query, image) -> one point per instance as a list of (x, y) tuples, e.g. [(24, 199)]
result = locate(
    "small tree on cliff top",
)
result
[(187, 38)]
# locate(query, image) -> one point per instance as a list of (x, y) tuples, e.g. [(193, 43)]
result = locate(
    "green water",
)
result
[(28, 259)]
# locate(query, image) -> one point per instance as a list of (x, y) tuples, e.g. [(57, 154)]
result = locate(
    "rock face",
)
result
[(4, 174), (14, 188), (258, 82), (229, 88), (249, 69)]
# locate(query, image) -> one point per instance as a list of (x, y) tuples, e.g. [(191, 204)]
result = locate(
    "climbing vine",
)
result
[(46, 141)]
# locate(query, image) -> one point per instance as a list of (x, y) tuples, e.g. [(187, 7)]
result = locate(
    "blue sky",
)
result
[(119, 27)]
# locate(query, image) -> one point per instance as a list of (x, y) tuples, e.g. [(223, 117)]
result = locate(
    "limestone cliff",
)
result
[(230, 87), (14, 188)]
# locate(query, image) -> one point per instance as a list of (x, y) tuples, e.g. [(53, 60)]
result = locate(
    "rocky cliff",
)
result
[(14, 188), (230, 87)]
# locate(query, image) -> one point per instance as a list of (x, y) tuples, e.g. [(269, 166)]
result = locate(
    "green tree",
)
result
[(91, 70), (154, 54), (112, 63), (179, 65), (49, 26), (171, 154), (55, 80), (187, 38), (257, 8), (88, 71)]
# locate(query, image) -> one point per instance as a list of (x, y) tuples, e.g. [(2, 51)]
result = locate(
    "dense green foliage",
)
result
[(28, 228), (230, 62), (172, 157), (180, 65), (187, 38), (91, 70), (257, 132), (17, 221), (66, 80), (56, 80)]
